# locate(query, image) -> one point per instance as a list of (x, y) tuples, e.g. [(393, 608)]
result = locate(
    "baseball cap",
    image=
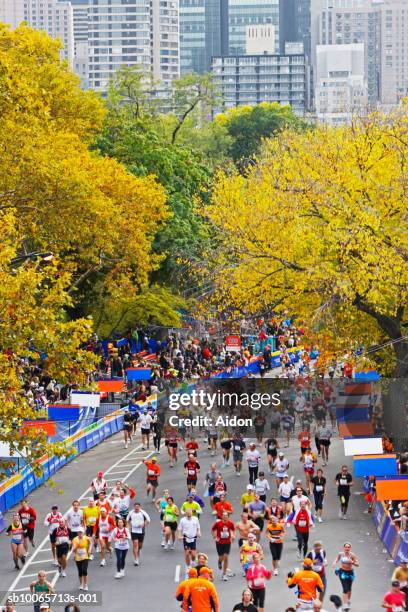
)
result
[(395, 583), (44, 606), (307, 562), (281, 454), (192, 572), (250, 487), (205, 570), (154, 458)]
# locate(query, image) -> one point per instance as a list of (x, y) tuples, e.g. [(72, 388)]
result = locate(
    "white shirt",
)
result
[(296, 501), (99, 485), (121, 504), (189, 527), (252, 457), (145, 421), (138, 520), (74, 519), (261, 486), (281, 467), (121, 538), (285, 489)]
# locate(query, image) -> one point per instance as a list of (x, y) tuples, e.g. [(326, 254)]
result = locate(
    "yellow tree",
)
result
[(319, 227)]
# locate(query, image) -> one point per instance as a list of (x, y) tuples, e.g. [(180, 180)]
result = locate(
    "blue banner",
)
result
[(375, 466), (352, 415)]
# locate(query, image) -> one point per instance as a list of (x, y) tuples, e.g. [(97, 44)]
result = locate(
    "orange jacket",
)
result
[(201, 595), (308, 583)]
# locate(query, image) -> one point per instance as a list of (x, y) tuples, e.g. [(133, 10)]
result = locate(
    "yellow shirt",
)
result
[(247, 498), (81, 552), (90, 515)]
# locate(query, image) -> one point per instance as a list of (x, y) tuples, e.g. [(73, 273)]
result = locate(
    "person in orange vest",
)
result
[(201, 594), (308, 583), (192, 575)]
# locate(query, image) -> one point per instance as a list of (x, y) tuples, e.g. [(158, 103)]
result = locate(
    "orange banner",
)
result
[(392, 489), (349, 430), (111, 386), (48, 427)]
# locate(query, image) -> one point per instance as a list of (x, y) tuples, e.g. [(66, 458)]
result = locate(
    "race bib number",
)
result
[(302, 523), (319, 488), (237, 448), (190, 540), (258, 582), (343, 481), (151, 472), (92, 520), (81, 553), (225, 534), (191, 472)]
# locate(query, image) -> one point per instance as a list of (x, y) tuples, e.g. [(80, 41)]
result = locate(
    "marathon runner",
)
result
[(285, 494), (280, 467), (16, 532), (222, 506), (253, 458), (257, 511), (275, 532), (191, 504), (247, 602), (308, 584), (223, 532), (40, 586), (319, 492), (192, 471), (127, 427), (28, 516), (319, 559), (152, 477), (271, 446), (74, 519), (226, 444), (160, 506), (347, 560), (309, 460), (247, 550), (121, 504), (238, 446), (344, 482), (99, 485), (247, 497), (51, 521), (394, 600), (189, 531), (256, 575), (172, 446), (170, 516), (145, 420), (120, 538), (325, 435), (62, 543), (90, 516), (81, 548), (244, 527), (261, 486), (192, 446), (103, 532)]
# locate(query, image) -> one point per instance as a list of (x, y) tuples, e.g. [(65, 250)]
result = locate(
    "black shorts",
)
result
[(223, 549), (172, 445), (325, 442), (171, 524), (127, 427), (152, 481), (226, 445), (29, 533), (276, 550), (260, 522), (53, 537), (273, 453), (211, 490), (82, 567), (189, 545), (237, 456), (137, 536), (192, 481), (145, 432), (62, 549), (89, 531), (72, 534), (346, 579), (259, 597)]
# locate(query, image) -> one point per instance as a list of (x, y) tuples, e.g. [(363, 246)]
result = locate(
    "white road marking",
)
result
[(22, 574), (177, 573)]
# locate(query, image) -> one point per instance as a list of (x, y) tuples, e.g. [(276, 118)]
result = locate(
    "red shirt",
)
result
[(28, 517), (394, 600), (192, 446), (304, 439), (219, 507), (191, 467), (153, 470), (302, 521), (223, 531)]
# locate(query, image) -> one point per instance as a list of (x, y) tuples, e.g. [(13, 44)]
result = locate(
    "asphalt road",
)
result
[(152, 585)]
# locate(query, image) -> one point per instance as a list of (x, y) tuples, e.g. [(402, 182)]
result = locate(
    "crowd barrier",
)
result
[(14, 489), (253, 367), (396, 546)]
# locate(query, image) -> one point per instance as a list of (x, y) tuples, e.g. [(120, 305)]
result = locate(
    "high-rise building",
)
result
[(81, 35), (133, 32), (355, 21), (203, 33), (260, 40), (243, 13), (251, 79), (295, 24), (55, 18), (394, 51), (192, 36), (341, 85)]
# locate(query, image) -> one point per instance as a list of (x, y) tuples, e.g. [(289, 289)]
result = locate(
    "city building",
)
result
[(295, 24), (243, 13), (260, 39), (192, 37), (81, 35), (394, 52), (133, 32), (355, 21), (341, 86), (54, 18), (252, 79)]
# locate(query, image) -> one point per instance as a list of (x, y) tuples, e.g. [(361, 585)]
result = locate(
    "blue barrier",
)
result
[(352, 415), (379, 466), (19, 486)]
